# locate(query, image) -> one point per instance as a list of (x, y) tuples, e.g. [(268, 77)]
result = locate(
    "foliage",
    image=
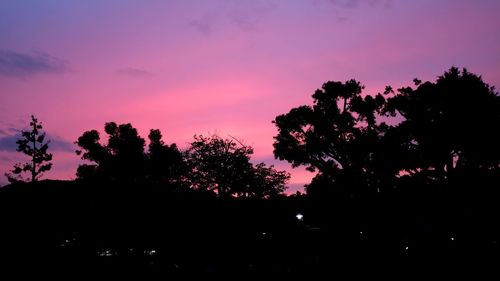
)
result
[(443, 129), (33, 144), (223, 165), (451, 124), (123, 158), (337, 135), (165, 162)]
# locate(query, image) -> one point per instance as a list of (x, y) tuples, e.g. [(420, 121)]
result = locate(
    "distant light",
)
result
[(264, 234), (452, 238), (361, 233), (150, 252), (406, 248), (300, 217), (105, 253)]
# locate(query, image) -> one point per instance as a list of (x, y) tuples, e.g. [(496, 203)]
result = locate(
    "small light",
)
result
[(361, 233), (150, 252), (452, 238), (406, 248), (105, 253), (300, 217), (264, 234)]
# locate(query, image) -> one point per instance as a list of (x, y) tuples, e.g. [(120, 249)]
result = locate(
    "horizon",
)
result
[(225, 67)]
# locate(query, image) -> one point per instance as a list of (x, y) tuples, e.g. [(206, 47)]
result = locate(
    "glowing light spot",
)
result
[(105, 253), (300, 217), (150, 252)]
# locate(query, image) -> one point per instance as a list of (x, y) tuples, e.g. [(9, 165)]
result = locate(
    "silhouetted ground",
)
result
[(57, 225)]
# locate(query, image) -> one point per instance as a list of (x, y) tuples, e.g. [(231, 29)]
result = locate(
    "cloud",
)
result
[(5, 158), (137, 72), (244, 15), (15, 64), (62, 145), (357, 3), (8, 143), (204, 26), (248, 14)]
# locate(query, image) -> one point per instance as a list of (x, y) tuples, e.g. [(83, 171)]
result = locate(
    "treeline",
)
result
[(417, 192), (432, 133), (209, 164)]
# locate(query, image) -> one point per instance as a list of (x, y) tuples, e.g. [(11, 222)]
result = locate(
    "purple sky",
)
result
[(225, 66)]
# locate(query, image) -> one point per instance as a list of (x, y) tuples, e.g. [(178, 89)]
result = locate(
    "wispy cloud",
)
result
[(204, 26), (8, 143), (247, 15), (244, 15), (357, 3), (16, 64), (131, 71), (5, 158)]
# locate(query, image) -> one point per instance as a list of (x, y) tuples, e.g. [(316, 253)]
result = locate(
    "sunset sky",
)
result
[(223, 66)]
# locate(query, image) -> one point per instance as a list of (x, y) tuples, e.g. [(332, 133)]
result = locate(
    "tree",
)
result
[(266, 182), (337, 135), (121, 159), (165, 162), (449, 126), (223, 165), (33, 144)]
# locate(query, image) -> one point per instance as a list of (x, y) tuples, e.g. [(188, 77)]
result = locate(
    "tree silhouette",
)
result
[(33, 144), (121, 159), (223, 165), (267, 182), (337, 136), (450, 125), (165, 162)]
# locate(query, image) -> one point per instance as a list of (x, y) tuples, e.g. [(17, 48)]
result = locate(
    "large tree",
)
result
[(33, 144), (165, 162), (223, 166), (337, 135), (121, 159), (451, 125)]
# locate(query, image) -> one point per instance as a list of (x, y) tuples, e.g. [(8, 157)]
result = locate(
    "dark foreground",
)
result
[(66, 226)]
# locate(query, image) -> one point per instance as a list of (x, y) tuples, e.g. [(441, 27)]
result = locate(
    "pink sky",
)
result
[(226, 67)]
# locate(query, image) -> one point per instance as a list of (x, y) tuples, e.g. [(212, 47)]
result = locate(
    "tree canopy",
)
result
[(124, 159), (33, 144), (223, 165), (443, 126), (337, 135), (451, 124), (209, 164)]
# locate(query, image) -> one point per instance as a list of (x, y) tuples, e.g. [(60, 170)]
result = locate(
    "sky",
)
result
[(223, 66)]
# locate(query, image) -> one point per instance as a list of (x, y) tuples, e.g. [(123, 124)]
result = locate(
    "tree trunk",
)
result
[(33, 168)]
